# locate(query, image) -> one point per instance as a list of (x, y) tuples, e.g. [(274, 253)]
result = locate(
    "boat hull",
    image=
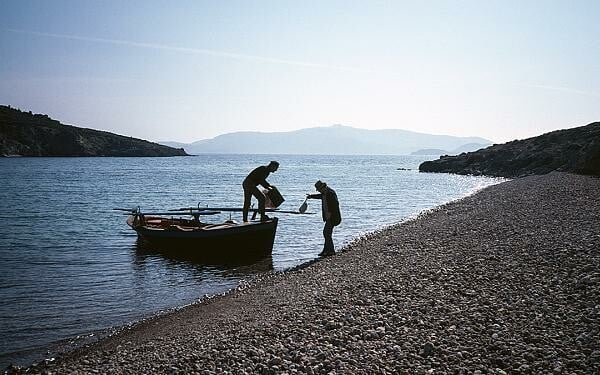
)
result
[(227, 241)]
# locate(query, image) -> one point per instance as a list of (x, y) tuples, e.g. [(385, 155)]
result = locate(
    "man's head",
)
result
[(273, 166), (320, 186)]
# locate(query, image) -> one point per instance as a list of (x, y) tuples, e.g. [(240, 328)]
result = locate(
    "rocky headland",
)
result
[(574, 150), (504, 281), (28, 134)]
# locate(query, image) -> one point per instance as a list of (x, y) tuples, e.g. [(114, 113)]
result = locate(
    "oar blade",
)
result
[(303, 207)]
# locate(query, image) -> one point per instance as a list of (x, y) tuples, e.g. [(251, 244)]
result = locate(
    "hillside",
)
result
[(27, 134), (331, 140), (464, 148), (574, 150)]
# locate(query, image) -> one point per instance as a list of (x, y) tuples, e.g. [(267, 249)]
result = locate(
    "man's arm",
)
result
[(259, 176), (265, 184)]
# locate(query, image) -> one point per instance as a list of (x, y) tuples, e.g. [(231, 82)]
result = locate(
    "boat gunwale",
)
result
[(215, 229)]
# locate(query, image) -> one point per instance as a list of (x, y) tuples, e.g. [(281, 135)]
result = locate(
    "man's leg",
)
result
[(261, 201), (328, 235), (247, 197)]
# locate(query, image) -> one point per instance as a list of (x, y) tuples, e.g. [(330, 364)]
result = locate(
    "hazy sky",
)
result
[(189, 70)]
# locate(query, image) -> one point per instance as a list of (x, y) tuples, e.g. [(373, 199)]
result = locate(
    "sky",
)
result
[(190, 70)]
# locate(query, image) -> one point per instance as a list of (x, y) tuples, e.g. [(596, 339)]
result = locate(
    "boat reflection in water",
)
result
[(228, 266)]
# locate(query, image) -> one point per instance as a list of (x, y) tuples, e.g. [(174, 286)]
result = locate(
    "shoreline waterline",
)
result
[(403, 300), (84, 271), (87, 338)]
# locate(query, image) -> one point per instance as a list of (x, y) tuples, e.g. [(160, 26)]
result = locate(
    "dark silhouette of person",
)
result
[(332, 216), (257, 177)]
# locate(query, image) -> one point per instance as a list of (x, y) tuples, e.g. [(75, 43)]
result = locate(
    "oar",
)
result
[(234, 209), (126, 209), (173, 213), (289, 212), (226, 209)]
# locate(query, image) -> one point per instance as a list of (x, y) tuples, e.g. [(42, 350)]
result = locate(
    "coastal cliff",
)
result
[(27, 134), (574, 150)]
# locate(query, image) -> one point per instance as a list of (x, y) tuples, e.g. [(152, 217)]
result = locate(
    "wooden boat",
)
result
[(229, 240)]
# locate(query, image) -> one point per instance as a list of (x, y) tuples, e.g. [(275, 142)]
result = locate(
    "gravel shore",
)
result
[(504, 281)]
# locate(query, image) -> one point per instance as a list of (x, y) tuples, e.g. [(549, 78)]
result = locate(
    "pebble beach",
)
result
[(503, 281)]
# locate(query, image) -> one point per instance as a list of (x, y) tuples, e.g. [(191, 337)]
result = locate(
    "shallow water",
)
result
[(70, 266)]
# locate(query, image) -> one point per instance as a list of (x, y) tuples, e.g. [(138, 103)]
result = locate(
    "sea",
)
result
[(72, 271)]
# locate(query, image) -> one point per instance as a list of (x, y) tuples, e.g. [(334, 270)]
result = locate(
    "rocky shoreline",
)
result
[(504, 281), (575, 150)]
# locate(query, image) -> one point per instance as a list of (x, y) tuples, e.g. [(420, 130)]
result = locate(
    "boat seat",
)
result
[(176, 227), (217, 226)]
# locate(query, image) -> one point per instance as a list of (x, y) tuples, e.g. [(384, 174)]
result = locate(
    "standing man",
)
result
[(332, 217), (257, 177)]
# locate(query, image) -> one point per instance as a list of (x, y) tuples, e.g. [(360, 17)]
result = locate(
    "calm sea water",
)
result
[(70, 266)]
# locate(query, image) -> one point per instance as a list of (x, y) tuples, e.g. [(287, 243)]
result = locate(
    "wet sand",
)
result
[(504, 281)]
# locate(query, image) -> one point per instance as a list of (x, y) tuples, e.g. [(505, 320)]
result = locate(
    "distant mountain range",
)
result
[(28, 134), (574, 150), (331, 140)]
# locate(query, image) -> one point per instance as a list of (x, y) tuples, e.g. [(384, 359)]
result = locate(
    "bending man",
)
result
[(257, 177), (332, 217)]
